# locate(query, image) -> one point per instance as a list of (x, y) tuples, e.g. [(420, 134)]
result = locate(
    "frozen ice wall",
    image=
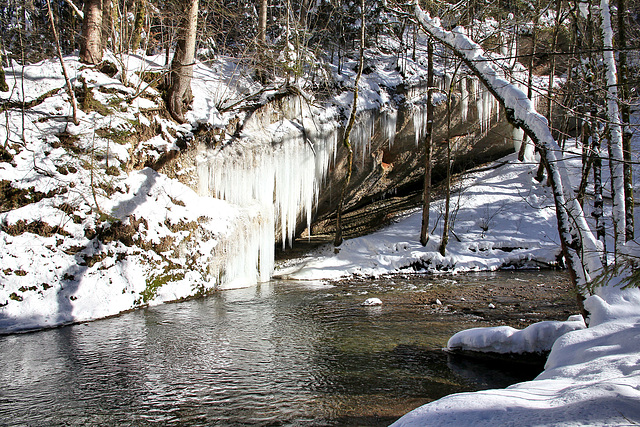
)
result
[(275, 172), (362, 134)]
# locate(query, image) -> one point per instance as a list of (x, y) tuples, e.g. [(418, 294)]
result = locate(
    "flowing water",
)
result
[(281, 353)]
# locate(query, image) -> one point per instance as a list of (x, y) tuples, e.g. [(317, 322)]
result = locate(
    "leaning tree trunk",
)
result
[(179, 92), (91, 41), (578, 243)]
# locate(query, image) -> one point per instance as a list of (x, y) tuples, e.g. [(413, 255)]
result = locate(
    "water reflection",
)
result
[(279, 354)]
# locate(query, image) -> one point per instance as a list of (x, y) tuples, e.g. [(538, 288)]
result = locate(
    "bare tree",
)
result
[(179, 92), (625, 114), (136, 36), (615, 129), (72, 96), (446, 226), (3, 82), (337, 241), (262, 24), (428, 149)]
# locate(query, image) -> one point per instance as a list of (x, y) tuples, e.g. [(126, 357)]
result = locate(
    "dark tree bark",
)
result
[(138, 24), (91, 41), (625, 114), (447, 201), (179, 92), (3, 82), (598, 201)]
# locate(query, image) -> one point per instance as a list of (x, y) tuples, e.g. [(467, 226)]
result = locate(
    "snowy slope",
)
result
[(82, 235)]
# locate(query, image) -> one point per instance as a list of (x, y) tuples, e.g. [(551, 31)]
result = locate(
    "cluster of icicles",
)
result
[(275, 174), (276, 171), (471, 93)]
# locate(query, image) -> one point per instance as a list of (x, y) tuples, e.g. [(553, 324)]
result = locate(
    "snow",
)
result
[(535, 338), (591, 377), (501, 220), (85, 244), (182, 243)]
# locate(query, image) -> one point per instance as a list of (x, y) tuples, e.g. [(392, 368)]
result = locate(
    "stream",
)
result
[(281, 353)]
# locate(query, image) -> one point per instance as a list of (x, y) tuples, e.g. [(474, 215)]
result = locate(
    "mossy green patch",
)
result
[(89, 103), (154, 284), (119, 136)]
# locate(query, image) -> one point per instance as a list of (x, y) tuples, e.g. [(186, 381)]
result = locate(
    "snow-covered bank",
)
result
[(592, 377), (86, 231)]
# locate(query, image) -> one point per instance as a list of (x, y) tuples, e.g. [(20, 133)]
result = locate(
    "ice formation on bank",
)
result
[(276, 171)]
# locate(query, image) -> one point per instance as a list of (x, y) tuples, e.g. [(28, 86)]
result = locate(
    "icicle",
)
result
[(362, 134), (464, 101), (479, 103), (517, 134), (447, 83), (278, 181), (388, 123), (420, 122), (486, 109)]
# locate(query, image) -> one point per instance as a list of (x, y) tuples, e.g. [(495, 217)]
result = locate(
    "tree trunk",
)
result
[(337, 241), (3, 82), (625, 116), (136, 37), (588, 139), (552, 66), (616, 157), (428, 149), (447, 201), (179, 92), (262, 24), (534, 39), (91, 41), (72, 97), (598, 200), (107, 20)]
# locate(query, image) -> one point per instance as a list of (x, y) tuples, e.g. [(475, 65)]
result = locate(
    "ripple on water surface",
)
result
[(279, 354)]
